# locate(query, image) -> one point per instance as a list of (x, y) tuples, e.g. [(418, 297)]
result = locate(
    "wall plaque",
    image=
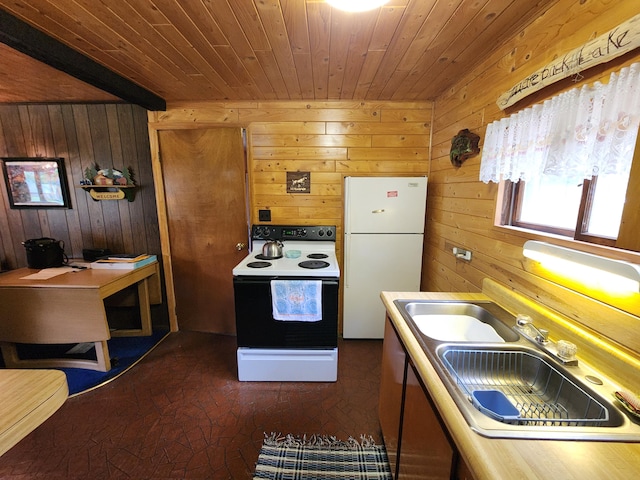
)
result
[(622, 39), (298, 182)]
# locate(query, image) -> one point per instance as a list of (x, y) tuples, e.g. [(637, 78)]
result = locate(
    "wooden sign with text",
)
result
[(106, 195), (606, 47)]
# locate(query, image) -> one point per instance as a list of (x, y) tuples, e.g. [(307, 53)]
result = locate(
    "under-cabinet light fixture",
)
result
[(616, 274), (356, 5)]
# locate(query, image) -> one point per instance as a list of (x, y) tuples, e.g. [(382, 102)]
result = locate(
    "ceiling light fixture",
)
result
[(578, 265), (356, 5)]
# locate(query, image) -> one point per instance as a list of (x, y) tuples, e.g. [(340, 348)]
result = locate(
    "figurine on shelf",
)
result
[(107, 177), (108, 183)]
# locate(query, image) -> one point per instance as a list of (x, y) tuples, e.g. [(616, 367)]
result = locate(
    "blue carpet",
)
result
[(124, 352)]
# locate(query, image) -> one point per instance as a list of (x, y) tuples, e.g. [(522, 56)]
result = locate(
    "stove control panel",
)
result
[(293, 232)]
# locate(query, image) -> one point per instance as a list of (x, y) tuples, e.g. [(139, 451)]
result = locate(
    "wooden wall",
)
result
[(329, 139), (460, 208), (111, 135)]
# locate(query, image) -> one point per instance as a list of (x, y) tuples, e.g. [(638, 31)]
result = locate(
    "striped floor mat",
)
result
[(321, 457)]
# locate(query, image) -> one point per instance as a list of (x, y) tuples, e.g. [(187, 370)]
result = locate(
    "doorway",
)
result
[(204, 176)]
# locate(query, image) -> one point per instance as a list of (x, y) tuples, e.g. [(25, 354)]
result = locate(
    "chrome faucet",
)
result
[(563, 351), (541, 335)]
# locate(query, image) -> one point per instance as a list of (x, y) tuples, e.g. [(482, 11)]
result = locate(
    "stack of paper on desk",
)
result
[(124, 262), (47, 273), (123, 257)]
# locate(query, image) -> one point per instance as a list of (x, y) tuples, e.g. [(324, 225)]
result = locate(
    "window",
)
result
[(587, 210), (567, 162)]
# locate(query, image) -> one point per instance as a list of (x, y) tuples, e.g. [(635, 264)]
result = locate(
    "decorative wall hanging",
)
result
[(108, 183), (36, 182), (463, 145), (622, 39), (298, 182)]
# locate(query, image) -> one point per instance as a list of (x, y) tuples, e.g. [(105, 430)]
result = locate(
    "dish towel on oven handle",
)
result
[(297, 300)]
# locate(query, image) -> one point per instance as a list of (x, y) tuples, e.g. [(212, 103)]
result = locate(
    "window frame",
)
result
[(512, 207)]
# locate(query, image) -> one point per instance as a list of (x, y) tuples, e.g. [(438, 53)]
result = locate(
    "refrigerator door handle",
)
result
[(378, 211)]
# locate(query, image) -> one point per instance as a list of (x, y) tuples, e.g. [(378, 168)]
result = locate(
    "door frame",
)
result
[(158, 121)]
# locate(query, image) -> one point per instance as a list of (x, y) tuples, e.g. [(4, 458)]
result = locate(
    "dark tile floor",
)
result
[(181, 413)]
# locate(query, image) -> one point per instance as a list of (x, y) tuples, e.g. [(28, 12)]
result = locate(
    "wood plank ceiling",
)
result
[(215, 50)]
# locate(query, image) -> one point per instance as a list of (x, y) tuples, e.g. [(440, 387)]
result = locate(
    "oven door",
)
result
[(254, 316)]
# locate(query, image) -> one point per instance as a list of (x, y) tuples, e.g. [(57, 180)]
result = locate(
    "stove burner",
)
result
[(258, 264), (313, 264), (317, 256), (263, 257)]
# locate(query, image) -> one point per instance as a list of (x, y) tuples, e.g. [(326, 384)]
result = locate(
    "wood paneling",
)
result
[(272, 49), (328, 139), (254, 64), (109, 135), (353, 143), (44, 83), (628, 236), (461, 209)]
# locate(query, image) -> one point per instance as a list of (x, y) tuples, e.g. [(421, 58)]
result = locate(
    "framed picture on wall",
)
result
[(36, 182), (298, 182)]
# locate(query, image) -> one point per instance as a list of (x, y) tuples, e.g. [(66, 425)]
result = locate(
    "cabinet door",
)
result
[(391, 384), (425, 451), (463, 472)]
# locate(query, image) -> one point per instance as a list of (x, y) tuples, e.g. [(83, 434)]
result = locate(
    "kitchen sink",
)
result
[(510, 388), (541, 394), (459, 321)]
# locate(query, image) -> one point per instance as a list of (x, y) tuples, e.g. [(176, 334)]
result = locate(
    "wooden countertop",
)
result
[(27, 399), (490, 458)]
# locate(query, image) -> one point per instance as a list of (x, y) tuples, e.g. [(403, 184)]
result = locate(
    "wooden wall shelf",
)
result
[(110, 192)]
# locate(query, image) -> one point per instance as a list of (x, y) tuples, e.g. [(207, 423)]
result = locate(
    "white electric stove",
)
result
[(301, 258), (274, 350)]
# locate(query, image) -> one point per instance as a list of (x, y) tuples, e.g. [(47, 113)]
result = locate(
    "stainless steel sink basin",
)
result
[(543, 395), (459, 321), (512, 389)]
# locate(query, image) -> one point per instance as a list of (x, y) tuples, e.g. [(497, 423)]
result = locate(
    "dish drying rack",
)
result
[(538, 391)]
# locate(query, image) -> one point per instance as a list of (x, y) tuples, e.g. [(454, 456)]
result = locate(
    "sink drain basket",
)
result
[(542, 394)]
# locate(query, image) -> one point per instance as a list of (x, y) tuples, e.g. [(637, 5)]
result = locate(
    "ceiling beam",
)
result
[(30, 41)]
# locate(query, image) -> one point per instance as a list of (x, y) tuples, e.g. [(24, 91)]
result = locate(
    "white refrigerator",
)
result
[(383, 239)]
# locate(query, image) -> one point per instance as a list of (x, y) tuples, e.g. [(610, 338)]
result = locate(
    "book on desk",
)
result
[(124, 262)]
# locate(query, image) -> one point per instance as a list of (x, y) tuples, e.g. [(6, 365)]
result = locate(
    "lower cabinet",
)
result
[(391, 392), (416, 443), (463, 472), (425, 451)]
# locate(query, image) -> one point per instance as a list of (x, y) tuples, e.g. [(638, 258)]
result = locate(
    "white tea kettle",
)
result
[(272, 249)]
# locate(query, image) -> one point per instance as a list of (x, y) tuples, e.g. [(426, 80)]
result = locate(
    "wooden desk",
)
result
[(69, 308), (28, 398)]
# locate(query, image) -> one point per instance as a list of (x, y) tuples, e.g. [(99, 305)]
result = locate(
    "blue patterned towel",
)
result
[(297, 300)]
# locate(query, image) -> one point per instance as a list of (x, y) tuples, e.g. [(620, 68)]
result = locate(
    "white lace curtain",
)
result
[(579, 133)]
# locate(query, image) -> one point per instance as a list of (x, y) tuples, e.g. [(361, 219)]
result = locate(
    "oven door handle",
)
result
[(250, 280)]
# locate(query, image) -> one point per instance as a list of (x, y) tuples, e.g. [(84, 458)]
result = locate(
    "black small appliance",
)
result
[(44, 252)]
